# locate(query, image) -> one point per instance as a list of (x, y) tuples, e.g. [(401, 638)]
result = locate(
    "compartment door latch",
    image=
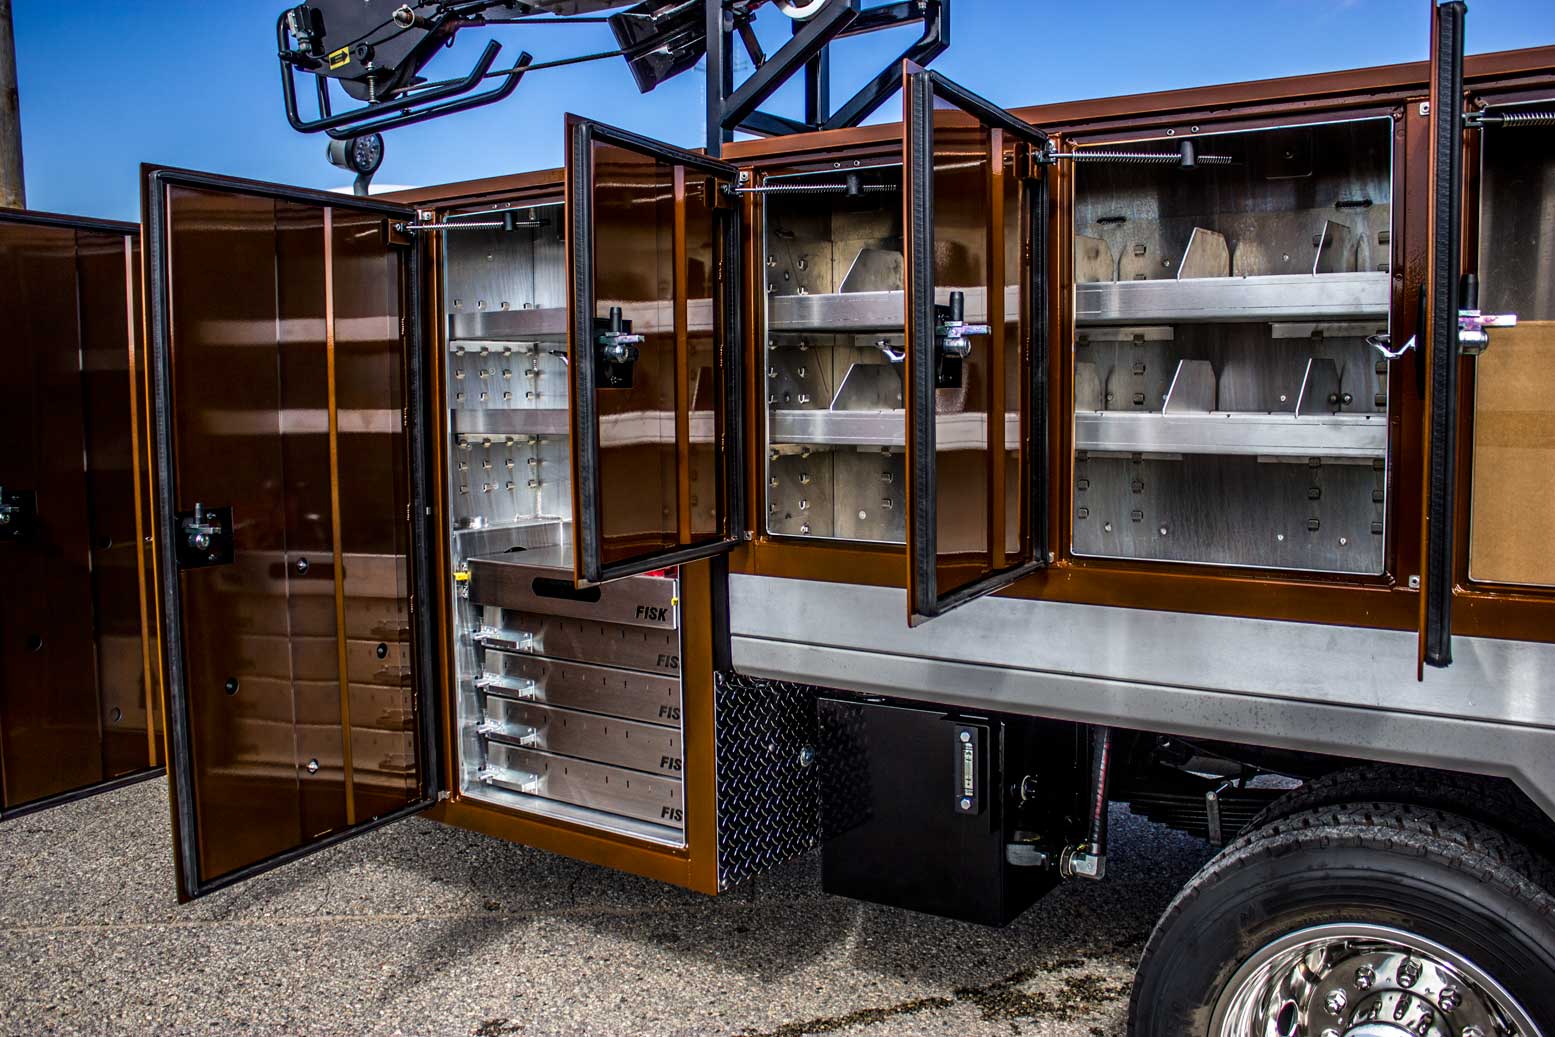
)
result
[(204, 537), (952, 341), (1473, 333), (18, 514), (617, 350)]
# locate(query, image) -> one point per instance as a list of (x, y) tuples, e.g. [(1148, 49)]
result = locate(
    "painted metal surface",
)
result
[(1334, 689)]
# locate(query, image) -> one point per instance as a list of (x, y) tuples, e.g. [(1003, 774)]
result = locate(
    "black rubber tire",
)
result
[(1455, 881), (1491, 801)]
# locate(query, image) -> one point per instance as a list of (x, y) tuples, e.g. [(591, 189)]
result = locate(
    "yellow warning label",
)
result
[(340, 58)]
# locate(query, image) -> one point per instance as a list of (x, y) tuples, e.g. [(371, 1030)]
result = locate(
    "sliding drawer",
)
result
[(559, 637), (595, 786), (595, 689), (587, 736), (647, 601)]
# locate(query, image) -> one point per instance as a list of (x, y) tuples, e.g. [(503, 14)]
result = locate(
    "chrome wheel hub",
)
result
[(1357, 980)]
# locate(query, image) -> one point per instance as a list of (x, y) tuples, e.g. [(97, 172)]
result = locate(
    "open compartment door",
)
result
[(76, 712), (975, 219), (1442, 354), (290, 520), (654, 354)]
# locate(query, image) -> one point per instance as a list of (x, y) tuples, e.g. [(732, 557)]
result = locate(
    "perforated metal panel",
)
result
[(768, 792)]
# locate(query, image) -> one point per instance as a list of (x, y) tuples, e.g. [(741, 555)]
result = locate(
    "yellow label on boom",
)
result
[(340, 58)]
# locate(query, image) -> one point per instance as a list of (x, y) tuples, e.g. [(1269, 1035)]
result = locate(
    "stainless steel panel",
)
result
[(1359, 436), (595, 689), (1334, 689), (587, 736), (1239, 511), (557, 637), (648, 601), (655, 799), (1273, 297)]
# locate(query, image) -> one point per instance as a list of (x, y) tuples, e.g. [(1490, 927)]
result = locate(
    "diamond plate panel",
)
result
[(768, 792)]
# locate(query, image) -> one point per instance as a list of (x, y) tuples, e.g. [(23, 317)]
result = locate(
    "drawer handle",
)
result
[(522, 733), (526, 780), (528, 689), (548, 587), (492, 637)]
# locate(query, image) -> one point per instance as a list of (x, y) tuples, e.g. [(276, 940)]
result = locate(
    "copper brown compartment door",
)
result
[(975, 219), (290, 519), (75, 716), (653, 354)]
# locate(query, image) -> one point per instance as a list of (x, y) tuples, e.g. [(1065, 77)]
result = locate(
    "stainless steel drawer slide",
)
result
[(596, 689), (596, 786), (622, 743)]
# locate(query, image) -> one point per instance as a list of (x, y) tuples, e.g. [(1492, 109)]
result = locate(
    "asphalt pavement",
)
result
[(428, 930)]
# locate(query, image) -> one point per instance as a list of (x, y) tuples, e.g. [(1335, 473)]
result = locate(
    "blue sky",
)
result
[(108, 84)]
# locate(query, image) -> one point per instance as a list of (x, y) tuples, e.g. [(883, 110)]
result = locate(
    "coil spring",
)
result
[(1147, 158), (1522, 117), (813, 189)]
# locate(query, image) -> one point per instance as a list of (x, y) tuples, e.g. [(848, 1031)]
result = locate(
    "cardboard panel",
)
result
[(1512, 525)]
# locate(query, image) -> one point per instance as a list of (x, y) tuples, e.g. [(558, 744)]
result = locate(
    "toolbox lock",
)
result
[(204, 537), (18, 514), (952, 343), (617, 350)]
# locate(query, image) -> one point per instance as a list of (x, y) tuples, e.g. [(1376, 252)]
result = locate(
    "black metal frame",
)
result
[(920, 90), (416, 108), (59, 799), (587, 537), (1446, 268), (730, 108), (180, 739)]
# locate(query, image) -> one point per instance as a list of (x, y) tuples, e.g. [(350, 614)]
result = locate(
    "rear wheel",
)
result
[(1369, 920)]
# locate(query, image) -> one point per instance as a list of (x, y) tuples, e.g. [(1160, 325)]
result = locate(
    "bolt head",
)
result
[(1450, 998), (966, 804), (1336, 1002), (966, 736)]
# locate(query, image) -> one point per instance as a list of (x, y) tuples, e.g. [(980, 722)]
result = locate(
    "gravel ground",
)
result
[(428, 930)]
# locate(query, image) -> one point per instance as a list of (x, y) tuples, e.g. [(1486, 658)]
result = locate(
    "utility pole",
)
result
[(13, 192)]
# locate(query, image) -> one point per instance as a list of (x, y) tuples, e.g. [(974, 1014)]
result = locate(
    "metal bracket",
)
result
[(1473, 338), (18, 514), (616, 350), (204, 537), (951, 345)]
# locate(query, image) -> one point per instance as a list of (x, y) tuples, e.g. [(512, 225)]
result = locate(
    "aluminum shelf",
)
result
[(550, 323), (864, 312), (631, 428), (1273, 297), (1351, 436), (879, 428)]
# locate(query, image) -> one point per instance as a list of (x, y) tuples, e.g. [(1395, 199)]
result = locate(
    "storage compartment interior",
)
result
[(1228, 406), (568, 702), (1512, 523), (834, 320)]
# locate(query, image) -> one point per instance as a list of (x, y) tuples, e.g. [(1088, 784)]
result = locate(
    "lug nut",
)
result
[(1365, 976), (1336, 1002), (1450, 998)]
